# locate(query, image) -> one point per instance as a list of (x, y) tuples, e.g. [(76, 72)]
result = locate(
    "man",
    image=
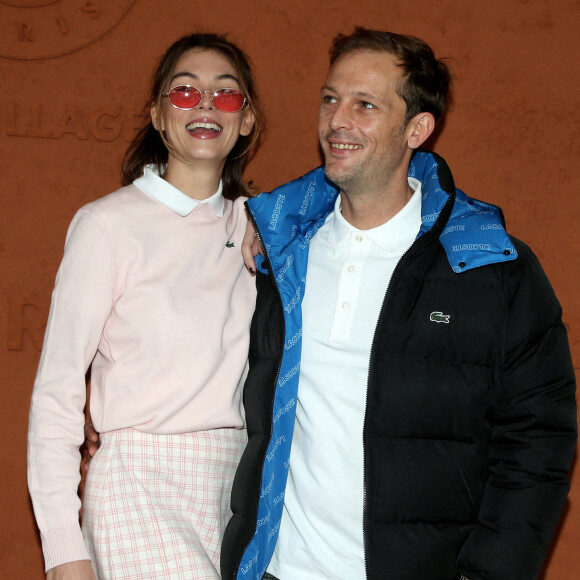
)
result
[(410, 401)]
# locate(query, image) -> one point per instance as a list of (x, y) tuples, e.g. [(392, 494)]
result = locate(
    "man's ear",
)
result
[(420, 128), (156, 118)]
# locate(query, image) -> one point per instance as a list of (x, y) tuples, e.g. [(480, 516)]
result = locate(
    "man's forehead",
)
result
[(368, 54), (358, 68)]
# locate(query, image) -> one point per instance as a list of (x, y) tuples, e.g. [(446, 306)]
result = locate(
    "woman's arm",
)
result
[(79, 570), (81, 303), (250, 248)]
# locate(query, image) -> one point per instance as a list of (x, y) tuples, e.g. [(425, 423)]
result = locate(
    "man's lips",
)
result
[(341, 142), (344, 146)]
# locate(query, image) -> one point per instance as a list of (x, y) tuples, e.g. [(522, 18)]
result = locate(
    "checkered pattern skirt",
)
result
[(155, 507)]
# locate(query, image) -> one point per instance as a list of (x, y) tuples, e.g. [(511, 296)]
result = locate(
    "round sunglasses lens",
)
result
[(184, 97), (229, 100)]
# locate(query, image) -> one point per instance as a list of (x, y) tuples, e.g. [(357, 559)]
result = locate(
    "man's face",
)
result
[(361, 122)]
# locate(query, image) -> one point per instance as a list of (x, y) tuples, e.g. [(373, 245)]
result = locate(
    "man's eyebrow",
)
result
[(225, 76), (364, 95), (359, 94)]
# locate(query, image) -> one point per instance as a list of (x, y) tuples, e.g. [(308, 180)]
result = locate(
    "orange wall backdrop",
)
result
[(73, 78)]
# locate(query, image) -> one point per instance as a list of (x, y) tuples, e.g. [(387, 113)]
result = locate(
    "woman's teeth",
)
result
[(211, 126)]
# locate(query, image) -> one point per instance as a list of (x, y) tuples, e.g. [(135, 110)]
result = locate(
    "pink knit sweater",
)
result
[(152, 291)]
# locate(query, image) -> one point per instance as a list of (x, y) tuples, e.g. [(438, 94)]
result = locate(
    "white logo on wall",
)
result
[(39, 29)]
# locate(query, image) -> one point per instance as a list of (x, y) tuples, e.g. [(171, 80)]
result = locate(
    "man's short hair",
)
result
[(426, 80)]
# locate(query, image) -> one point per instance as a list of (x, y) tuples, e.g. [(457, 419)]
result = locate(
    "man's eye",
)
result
[(329, 99), (367, 105)]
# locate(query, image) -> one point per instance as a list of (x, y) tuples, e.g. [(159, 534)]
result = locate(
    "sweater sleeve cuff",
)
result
[(63, 544)]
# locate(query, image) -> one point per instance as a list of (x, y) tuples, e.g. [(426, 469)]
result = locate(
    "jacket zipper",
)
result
[(273, 279), (365, 509)]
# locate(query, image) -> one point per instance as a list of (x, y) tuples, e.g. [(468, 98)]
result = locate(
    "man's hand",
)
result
[(250, 248), (79, 570), (92, 443)]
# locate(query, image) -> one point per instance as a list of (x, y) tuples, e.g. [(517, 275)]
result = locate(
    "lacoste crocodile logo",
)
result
[(229, 244), (439, 317)]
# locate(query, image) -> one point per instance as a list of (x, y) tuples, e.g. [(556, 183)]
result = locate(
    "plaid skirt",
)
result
[(155, 507)]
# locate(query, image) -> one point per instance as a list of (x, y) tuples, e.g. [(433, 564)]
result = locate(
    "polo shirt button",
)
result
[(345, 305)]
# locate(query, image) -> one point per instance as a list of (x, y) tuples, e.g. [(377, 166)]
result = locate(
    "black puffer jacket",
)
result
[(470, 423)]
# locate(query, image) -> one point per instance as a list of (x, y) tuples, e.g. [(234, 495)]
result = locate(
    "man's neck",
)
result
[(366, 210)]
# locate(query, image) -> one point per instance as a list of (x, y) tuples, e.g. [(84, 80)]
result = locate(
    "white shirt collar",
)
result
[(391, 235), (171, 197)]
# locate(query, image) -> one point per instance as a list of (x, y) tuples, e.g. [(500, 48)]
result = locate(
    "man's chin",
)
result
[(339, 178)]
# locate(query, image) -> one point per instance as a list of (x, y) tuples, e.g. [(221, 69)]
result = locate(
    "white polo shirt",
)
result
[(321, 534)]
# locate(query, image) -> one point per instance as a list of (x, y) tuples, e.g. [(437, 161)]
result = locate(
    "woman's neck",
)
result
[(199, 181)]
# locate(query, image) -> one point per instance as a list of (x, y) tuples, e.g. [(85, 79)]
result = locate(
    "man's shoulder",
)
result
[(302, 198)]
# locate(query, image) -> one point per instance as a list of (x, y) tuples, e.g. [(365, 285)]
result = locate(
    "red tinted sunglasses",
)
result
[(186, 97)]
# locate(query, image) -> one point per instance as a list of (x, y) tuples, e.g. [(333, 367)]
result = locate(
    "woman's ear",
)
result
[(420, 128), (156, 118), (248, 122)]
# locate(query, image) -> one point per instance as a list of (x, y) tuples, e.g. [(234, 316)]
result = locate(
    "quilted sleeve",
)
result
[(533, 438)]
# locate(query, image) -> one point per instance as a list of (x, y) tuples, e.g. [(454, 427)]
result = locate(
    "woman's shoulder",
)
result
[(106, 214), (236, 206), (113, 202)]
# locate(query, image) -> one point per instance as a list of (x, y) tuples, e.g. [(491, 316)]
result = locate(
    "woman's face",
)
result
[(204, 135)]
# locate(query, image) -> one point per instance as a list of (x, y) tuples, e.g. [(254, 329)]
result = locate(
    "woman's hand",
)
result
[(92, 443), (250, 248), (79, 570)]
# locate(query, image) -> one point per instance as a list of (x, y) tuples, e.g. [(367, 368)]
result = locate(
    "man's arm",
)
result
[(533, 437), (92, 443)]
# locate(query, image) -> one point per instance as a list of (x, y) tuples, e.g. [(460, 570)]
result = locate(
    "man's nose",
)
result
[(341, 117)]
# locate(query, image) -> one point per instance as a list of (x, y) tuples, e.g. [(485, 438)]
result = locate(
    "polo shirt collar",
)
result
[(171, 197), (391, 235)]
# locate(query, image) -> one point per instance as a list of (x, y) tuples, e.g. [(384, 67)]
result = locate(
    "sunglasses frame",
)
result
[(201, 93)]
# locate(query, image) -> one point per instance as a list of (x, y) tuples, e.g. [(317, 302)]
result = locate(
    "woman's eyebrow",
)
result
[(225, 76)]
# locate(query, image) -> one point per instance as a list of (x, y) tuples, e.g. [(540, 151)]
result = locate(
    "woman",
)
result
[(152, 291)]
